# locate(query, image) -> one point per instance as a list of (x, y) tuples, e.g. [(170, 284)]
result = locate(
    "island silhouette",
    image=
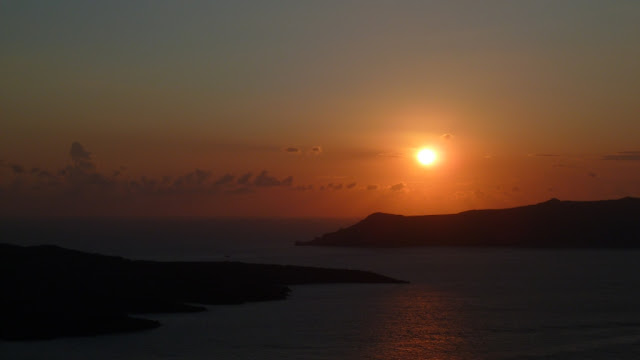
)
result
[(551, 224), (49, 291)]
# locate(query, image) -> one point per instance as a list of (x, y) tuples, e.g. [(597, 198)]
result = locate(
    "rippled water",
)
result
[(461, 303)]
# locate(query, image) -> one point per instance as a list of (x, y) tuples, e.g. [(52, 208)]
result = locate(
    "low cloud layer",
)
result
[(82, 187), (83, 181)]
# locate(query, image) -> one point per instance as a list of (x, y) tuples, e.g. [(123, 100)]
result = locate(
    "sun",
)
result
[(426, 156)]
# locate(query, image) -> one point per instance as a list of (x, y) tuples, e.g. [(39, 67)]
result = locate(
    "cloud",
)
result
[(224, 179), (80, 156), (287, 181), (265, 180), (446, 136), (82, 179), (397, 187), (546, 155), (316, 150), (45, 174), (624, 155), (78, 152), (244, 179), (119, 171), (592, 174), (17, 169), (372, 187), (390, 154), (351, 186), (292, 150), (79, 187), (201, 175), (194, 178)]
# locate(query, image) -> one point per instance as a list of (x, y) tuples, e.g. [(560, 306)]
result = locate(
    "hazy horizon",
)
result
[(254, 217)]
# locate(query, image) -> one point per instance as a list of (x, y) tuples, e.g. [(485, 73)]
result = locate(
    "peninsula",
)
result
[(551, 224), (49, 291)]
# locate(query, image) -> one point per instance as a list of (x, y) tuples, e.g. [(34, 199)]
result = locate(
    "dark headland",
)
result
[(551, 224), (49, 292)]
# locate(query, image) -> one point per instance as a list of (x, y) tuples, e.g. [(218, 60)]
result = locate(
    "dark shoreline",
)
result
[(52, 292)]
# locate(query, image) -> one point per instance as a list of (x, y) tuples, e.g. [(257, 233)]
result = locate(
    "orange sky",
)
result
[(324, 105)]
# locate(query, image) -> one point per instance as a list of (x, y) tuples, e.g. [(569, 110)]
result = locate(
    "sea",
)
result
[(461, 303)]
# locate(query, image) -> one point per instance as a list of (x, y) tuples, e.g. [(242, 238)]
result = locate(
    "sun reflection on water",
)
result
[(418, 325)]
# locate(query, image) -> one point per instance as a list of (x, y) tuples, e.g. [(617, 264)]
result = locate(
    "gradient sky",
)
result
[(299, 108)]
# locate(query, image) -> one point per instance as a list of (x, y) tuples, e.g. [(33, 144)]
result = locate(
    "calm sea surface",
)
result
[(461, 304)]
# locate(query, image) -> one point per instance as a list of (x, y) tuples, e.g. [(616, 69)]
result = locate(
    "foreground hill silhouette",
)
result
[(48, 291), (551, 224)]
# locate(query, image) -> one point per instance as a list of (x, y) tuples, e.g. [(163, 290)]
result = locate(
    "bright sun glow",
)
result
[(426, 156)]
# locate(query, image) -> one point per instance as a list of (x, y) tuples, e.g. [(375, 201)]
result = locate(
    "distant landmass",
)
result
[(49, 291), (551, 224)]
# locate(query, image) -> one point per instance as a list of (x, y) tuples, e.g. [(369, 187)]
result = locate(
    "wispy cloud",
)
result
[(390, 154), (624, 155), (292, 150)]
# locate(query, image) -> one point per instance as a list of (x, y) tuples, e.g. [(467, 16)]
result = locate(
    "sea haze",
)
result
[(167, 238), (462, 303)]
